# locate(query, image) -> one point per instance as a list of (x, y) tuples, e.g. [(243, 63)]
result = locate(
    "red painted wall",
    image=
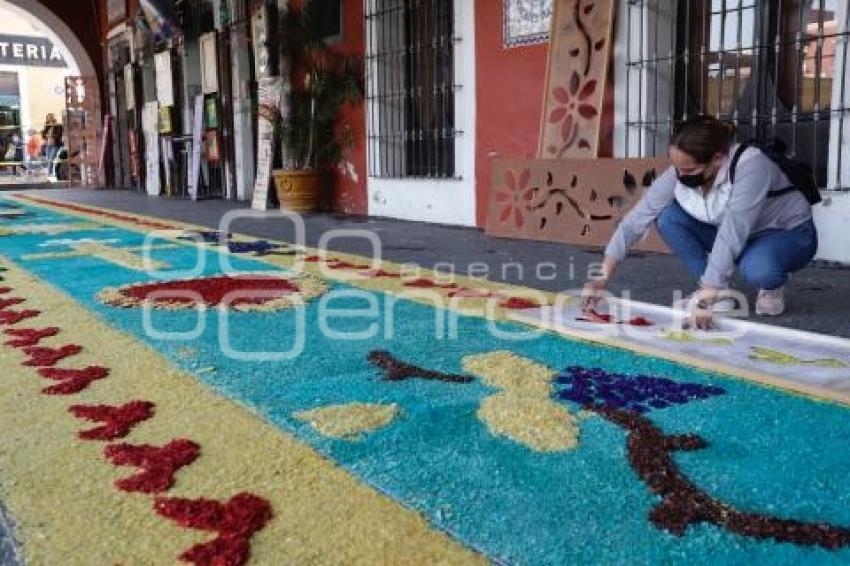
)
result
[(510, 96), (509, 103)]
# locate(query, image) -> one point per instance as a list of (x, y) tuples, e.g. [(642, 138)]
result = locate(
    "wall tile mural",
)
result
[(527, 22)]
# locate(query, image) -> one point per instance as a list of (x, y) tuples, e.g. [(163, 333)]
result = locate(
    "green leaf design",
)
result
[(828, 363), (683, 336), (781, 358), (773, 356)]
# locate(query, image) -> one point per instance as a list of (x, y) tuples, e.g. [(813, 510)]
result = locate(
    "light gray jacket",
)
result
[(740, 210)]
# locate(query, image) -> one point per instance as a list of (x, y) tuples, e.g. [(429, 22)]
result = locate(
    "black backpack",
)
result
[(798, 172)]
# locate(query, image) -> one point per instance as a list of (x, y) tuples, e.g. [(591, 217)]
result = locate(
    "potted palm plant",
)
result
[(312, 138)]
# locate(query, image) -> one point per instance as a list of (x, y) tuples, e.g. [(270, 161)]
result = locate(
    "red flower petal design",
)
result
[(575, 82), (49, 357), (72, 381), (587, 111), (561, 95), (235, 522), (14, 317), (506, 213), (510, 179), (381, 274), (158, 465), (518, 218), (28, 337), (518, 303), (13, 302), (429, 284), (467, 293), (557, 115), (213, 291), (587, 90), (4, 290), (117, 421), (524, 178), (346, 265)]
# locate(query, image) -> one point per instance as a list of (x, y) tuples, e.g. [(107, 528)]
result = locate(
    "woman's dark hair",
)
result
[(703, 137)]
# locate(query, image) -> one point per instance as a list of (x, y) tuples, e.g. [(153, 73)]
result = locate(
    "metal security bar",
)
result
[(775, 68), (411, 88)]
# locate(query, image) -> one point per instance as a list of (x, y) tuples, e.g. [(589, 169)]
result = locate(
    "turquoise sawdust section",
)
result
[(769, 451)]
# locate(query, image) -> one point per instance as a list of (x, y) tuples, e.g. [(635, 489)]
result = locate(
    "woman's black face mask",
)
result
[(693, 181)]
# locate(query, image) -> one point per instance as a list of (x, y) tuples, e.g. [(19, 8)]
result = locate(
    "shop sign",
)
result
[(29, 51)]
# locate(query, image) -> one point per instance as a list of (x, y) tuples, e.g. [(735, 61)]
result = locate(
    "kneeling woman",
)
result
[(714, 224)]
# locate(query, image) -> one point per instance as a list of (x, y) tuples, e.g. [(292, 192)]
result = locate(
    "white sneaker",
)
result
[(771, 303), (723, 305)]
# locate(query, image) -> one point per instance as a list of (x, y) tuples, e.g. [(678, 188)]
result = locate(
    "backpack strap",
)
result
[(736, 158)]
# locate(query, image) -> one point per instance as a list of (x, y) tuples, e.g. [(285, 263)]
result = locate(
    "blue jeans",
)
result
[(50, 152), (766, 261)]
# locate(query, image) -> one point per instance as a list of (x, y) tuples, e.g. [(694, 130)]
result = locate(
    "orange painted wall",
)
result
[(350, 194), (509, 98)]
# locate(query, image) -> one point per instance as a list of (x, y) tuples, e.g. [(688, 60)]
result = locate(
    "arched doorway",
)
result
[(40, 85)]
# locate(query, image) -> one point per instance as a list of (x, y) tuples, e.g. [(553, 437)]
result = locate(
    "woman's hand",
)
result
[(593, 293), (594, 290), (701, 316)]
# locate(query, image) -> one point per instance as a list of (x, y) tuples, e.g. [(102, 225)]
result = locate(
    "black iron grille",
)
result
[(776, 68), (411, 88)]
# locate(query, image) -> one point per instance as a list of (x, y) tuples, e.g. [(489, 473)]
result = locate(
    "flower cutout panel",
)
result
[(579, 58), (575, 201)]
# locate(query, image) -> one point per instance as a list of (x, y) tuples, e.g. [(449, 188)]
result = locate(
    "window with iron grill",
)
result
[(411, 88), (775, 68)]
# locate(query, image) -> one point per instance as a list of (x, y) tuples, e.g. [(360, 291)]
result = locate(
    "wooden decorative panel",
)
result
[(576, 201), (579, 57), (82, 125)]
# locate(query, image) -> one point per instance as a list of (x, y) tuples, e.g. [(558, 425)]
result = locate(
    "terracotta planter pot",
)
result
[(300, 191)]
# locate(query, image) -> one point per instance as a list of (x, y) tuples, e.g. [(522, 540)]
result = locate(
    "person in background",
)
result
[(52, 136), (14, 156), (714, 224), (34, 147)]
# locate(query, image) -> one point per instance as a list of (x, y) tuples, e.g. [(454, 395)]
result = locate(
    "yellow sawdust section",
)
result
[(523, 410), (123, 257), (119, 256), (48, 229), (351, 421), (480, 307), (59, 488)]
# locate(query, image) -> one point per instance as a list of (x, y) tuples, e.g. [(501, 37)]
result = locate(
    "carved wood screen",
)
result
[(577, 201), (577, 76), (82, 125)]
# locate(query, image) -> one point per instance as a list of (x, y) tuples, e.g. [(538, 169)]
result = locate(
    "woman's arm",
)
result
[(640, 218), (631, 229)]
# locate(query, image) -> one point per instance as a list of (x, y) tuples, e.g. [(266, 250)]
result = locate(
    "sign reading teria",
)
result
[(29, 52)]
